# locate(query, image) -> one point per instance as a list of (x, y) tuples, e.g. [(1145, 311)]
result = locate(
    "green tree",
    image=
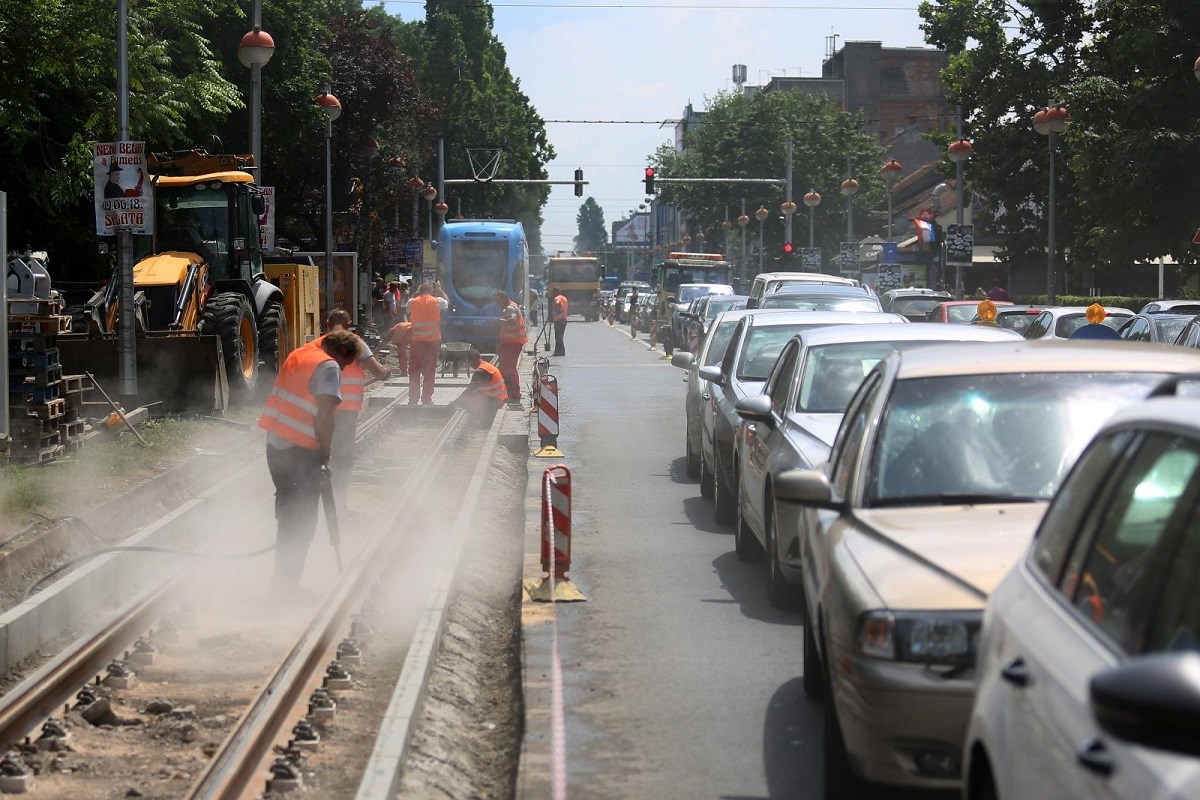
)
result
[(593, 233), (746, 137)]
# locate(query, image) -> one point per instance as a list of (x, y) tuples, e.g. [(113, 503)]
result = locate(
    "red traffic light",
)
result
[(649, 180), (788, 249)]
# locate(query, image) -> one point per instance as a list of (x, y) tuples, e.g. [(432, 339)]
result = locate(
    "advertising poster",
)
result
[(266, 223), (810, 259), (124, 193), (960, 245)]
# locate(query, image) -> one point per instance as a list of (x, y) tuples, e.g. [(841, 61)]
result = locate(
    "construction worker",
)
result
[(486, 392), (299, 420), (558, 313), (425, 314), (400, 335), (511, 338), (354, 381)]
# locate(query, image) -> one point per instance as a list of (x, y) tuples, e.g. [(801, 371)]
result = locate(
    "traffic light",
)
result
[(649, 180), (788, 250), (579, 183)]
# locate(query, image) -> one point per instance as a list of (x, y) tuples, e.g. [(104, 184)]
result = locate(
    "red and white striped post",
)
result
[(547, 408), (556, 521)]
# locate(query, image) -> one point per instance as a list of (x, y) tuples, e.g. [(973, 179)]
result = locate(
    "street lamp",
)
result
[(849, 188), (440, 209), (333, 109), (959, 152), (891, 171), (1049, 121), (255, 51), (430, 195), (761, 215), (726, 226), (812, 200), (742, 222), (788, 208)]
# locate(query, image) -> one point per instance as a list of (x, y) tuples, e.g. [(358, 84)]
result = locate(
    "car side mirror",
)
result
[(756, 408), (1152, 701), (683, 360), (712, 375), (807, 487)]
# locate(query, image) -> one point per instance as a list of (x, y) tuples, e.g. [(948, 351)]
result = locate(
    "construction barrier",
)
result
[(556, 586), (547, 407)]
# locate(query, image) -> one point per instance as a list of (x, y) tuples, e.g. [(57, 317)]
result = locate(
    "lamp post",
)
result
[(416, 184), (726, 226), (788, 208), (430, 193), (812, 200), (1049, 121), (440, 209), (849, 188), (742, 222), (959, 152), (333, 109), (891, 171), (255, 51), (761, 215)]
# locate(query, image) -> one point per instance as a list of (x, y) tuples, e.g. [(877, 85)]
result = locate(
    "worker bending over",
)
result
[(425, 314), (299, 420), (486, 392), (400, 336), (354, 381), (511, 338)]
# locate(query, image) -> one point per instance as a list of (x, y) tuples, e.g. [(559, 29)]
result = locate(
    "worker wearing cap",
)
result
[(354, 382), (486, 391), (425, 314), (511, 339), (558, 314), (299, 420)]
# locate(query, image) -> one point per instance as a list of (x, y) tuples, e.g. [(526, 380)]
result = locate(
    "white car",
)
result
[(1089, 660), (1060, 322), (685, 295), (1173, 306), (767, 282)]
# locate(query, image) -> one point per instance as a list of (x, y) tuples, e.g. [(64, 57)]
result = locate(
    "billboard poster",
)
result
[(266, 223), (849, 258), (633, 233), (124, 195), (810, 259), (960, 245)]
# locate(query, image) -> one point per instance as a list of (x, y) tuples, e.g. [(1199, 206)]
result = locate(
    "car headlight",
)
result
[(921, 637)]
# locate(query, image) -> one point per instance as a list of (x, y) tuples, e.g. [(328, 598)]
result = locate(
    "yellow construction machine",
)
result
[(210, 323)]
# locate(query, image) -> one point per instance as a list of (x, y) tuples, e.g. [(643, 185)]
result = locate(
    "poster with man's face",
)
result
[(124, 192)]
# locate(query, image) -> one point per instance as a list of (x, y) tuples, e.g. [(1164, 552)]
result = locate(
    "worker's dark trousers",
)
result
[(559, 329), (296, 472)]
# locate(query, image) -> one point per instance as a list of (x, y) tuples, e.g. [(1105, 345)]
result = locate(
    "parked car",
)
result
[(1190, 335), (792, 424), (688, 292), (767, 282), (748, 360), (1059, 322), (698, 391), (939, 475), (959, 312), (1014, 318), (699, 318), (912, 303), (1190, 307), (1159, 326), (624, 291), (1089, 672), (822, 297)]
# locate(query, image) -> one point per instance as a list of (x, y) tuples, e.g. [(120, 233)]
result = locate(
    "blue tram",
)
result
[(479, 258)]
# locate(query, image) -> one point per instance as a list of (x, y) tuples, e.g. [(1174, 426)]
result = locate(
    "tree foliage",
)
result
[(746, 137), (593, 234)]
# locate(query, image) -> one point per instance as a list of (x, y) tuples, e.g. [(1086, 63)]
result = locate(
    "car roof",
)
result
[(799, 289), (1047, 356), (998, 303), (1167, 305), (915, 293), (726, 285), (1018, 309), (1060, 310), (915, 332), (815, 277), (770, 316)]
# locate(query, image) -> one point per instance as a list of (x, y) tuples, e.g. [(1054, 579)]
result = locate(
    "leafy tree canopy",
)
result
[(593, 234)]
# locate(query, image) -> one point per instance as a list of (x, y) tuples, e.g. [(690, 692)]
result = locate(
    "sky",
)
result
[(646, 60)]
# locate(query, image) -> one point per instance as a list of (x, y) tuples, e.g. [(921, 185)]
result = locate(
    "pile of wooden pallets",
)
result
[(43, 404)]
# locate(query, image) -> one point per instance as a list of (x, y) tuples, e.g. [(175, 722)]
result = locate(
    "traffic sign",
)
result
[(810, 259), (1196, 238)]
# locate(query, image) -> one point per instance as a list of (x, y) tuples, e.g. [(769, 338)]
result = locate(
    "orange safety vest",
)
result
[(291, 412), (512, 331), (560, 308), (495, 387), (354, 382), (426, 317)]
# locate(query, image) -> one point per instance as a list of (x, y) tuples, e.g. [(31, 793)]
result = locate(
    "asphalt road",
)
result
[(681, 680)]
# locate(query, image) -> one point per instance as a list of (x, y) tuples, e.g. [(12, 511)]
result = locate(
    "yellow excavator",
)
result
[(208, 318)]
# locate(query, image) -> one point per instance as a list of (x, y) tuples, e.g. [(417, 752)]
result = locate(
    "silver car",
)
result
[(1100, 698), (748, 360), (939, 475), (1059, 322), (791, 425)]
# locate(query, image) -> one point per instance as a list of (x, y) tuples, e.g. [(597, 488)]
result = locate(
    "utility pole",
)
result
[(958, 212), (127, 368), (787, 194)]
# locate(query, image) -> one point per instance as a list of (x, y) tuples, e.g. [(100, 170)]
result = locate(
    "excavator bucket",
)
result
[(182, 371)]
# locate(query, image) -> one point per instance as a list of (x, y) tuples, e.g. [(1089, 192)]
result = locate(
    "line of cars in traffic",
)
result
[(981, 612)]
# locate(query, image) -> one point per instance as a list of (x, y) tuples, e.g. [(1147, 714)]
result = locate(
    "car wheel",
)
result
[(744, 544), (706, 479), (780, 592), (724, 500), (693, 459), (814, 676), (841, 782)]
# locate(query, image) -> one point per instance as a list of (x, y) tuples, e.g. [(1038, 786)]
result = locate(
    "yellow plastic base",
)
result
[(564, 591), (549, 451)]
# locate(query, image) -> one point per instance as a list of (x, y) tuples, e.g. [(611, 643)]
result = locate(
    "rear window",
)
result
[(1069, 323), (1018, 322), (915, 306), (827, 302), (961, 313), (716, 305)]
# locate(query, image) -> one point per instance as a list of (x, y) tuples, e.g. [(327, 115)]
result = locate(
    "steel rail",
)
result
[(56, 682), (235, 767)]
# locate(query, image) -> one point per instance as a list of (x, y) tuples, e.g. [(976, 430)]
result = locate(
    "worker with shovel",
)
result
[(299, 420)]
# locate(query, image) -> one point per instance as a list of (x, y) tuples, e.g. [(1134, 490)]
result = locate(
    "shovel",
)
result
[(331, 519)]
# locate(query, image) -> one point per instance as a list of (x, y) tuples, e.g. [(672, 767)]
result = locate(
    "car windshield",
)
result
[(716, 305), (761, 349), (915, 306), (1069, 323), (833, 372), (721, 335), (689, 293), (1001, 438), (826, 302), (962, 314), (1169, 327), (1017, 321)]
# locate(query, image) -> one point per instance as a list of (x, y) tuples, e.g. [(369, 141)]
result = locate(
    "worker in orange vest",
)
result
[(511, 339), (425, 314), (400, 335), (486, 392), (299, 420), (354, 382), (558, 313)]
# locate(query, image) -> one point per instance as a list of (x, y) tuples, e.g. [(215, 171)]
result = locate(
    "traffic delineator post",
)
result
[(555, 586), (547, 408)]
